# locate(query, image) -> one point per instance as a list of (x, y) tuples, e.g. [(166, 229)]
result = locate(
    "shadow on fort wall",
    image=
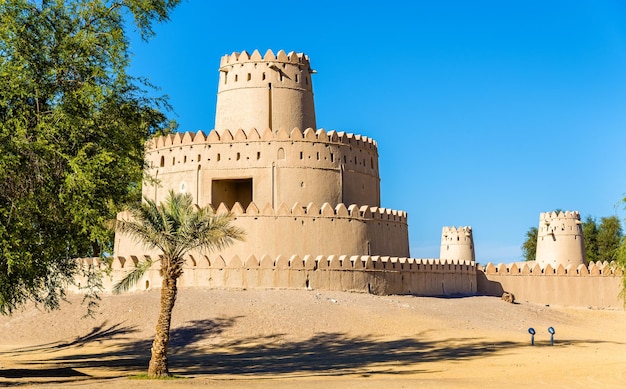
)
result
[(486, 287), (193, 350)]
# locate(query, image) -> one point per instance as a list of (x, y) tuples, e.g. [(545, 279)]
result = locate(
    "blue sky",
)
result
[(486, 113)]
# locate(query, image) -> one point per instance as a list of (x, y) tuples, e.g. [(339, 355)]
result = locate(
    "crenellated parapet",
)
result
[(360, 273), (316, 211), (306, 262), (253, 135), (299, 59), (593, 269)]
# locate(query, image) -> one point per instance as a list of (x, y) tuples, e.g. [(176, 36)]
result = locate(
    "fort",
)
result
[(309, 201)]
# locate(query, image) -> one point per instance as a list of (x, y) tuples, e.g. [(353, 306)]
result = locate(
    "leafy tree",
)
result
[(72, 129), (174, 228), (608, 238), (529, 248), (590, 234)]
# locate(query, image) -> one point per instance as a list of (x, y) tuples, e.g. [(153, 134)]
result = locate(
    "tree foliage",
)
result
[(72, 129), (590, 234), (608, 238), (529, 248), (174, 227)]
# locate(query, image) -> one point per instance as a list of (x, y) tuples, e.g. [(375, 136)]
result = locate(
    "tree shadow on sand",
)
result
[(194, 349), (100, 333), (126, 351)]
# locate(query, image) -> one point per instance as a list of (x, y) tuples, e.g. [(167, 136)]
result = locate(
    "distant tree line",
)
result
[(602, 239)]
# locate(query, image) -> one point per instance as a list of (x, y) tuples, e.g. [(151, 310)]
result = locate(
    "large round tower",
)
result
[(294, 189), (273, 91), (560, 239), (457, 244)]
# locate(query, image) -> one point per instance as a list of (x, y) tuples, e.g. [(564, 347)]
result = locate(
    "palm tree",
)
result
[(174, 227)]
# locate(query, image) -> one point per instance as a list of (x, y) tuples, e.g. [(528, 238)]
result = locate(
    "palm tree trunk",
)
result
[(158, 363)]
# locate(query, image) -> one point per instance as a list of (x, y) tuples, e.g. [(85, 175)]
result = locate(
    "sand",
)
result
[(315, 339)]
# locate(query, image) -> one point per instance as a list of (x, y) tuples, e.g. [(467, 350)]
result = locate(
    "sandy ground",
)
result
[(315, 339)]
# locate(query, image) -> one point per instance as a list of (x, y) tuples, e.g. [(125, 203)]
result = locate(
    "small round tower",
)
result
[(270, 91), (457, 244), (560, 239)]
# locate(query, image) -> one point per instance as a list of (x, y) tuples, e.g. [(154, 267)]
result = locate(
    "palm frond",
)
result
[(213, 232), (175, 227), (132, 277)]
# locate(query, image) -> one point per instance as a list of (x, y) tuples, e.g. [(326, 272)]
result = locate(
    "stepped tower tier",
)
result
[(269, 91), (560, 239), (457, 244), (265, 167)]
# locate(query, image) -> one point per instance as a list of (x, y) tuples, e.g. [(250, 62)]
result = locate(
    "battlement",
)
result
[(253, 135), (563, 223), (312, 210), (381, 275), (281, 57), (308, 262), (456, 234), (560, 215), (604, 269)]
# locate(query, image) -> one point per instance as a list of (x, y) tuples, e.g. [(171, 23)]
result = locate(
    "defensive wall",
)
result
[(281, 167), (596, 285), (306, 229), (366, 274)]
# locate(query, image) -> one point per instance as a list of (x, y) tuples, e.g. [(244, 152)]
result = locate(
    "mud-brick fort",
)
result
[(309, 201)]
